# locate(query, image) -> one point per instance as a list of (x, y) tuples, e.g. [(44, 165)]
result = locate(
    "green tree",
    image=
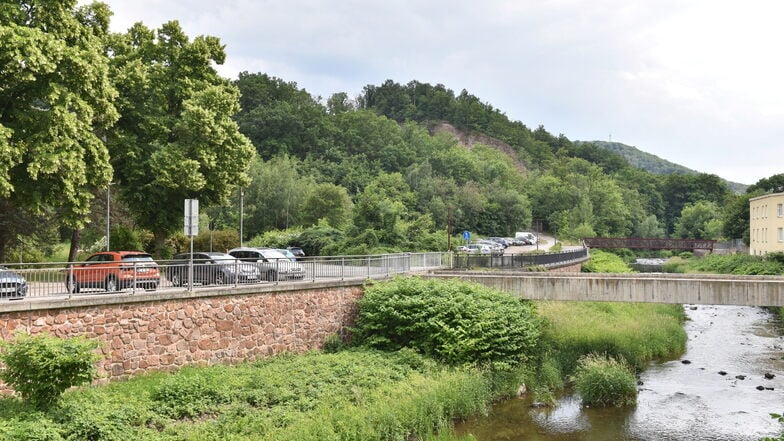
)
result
[(736, 216), (326, 201), (175, 139), (700, 220), (771, 184), (648, 227), (275, 195), (55, 103)]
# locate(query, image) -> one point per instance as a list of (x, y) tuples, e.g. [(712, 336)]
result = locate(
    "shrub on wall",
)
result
[(454, 322), (41, 367), (604, 262)]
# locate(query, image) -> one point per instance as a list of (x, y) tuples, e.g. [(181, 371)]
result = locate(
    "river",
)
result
[(709, 393)]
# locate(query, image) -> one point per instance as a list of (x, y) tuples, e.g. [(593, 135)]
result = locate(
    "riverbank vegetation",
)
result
[(605, 381), (738, 264), (450, 350)]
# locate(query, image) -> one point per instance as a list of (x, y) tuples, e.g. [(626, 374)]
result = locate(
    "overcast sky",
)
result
[(698, 82)]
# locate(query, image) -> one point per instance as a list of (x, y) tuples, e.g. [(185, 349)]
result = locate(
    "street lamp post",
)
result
[(242, 203), (108, 212)]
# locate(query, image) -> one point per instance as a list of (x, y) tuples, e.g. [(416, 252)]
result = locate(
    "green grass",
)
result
[(634, 332), (605, 381), (350, 395)]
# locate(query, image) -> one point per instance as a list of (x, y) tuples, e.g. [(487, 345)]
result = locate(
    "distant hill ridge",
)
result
[(654, 164)]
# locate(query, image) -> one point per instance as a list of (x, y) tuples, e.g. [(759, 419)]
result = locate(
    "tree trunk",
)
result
[(76, 235), (160, 243)]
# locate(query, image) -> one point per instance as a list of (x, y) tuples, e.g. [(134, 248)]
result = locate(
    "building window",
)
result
[(780, 210), (781, 234)]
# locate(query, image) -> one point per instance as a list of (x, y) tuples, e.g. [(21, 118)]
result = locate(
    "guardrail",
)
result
[(36, 280), (67, 279), (462, 261)]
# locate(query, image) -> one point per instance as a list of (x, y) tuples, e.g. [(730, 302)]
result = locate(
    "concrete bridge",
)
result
[(649, 288)]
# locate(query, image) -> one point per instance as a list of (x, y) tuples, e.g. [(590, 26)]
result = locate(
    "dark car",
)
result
[(211, 269), (12, 285), (114, 271), (298, 253)]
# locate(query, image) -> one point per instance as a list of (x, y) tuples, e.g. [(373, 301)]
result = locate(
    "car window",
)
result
[(137, 258)]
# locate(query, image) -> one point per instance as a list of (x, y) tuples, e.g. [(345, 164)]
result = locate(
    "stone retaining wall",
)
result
[(164, 335)]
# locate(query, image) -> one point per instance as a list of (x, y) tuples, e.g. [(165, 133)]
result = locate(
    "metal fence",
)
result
[(65, 279), (518, 260)]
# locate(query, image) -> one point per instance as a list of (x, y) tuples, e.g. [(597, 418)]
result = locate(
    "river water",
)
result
[(684, 399)]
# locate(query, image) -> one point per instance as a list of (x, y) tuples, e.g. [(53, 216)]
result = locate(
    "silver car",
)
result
[(12, 285), (272, 264)]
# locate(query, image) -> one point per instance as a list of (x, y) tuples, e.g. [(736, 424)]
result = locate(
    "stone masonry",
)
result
[(164, 335)]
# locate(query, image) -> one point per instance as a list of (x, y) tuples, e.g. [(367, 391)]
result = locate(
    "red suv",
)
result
[(114, 271)]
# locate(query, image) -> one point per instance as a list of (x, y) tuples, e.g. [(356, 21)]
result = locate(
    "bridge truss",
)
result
[(641, 243)]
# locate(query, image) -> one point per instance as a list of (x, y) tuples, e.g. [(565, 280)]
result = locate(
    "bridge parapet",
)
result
[(645, 288)]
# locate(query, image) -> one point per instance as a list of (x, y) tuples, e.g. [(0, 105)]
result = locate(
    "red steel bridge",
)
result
[(641, 243)]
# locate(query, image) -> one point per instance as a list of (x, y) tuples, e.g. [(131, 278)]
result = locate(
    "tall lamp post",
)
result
[(242, 203), (108, 212)]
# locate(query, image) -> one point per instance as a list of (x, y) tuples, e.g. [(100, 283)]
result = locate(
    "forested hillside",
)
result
[(653, 163), (143, 121)]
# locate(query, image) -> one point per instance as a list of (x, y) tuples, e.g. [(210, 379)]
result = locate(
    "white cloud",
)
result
[(683, 80)]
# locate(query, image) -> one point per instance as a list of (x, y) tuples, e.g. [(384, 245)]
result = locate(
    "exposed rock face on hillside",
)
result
[(469, 140)]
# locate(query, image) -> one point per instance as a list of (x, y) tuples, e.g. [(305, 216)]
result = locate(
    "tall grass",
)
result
[(350, 395), (634, 332), (605, 381)]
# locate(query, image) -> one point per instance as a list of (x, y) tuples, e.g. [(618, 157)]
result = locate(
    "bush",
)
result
[(604, 262), (41, 367), (457, 323), (605, 381), (184, 395)]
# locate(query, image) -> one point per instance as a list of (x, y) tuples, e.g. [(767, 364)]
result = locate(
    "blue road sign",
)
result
[(466, 235)]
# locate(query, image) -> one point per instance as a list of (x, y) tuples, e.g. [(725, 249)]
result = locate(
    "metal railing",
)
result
[(66, 279), (499, 260)]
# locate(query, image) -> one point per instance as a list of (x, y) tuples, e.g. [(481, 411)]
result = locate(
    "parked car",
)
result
[(211, 269), (490, 244), (500, 240), (114, 271), (271, 263), (476, 248), (297, 252), (289, 255), (462, 249), (527, 236), (12, 285)]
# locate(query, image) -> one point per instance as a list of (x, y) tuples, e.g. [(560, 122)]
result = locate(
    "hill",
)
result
[(654, 164)]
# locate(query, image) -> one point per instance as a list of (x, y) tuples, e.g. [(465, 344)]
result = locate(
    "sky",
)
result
[(697, 82)]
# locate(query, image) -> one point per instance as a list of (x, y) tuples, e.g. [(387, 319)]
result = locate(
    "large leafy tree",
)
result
[(175, 139), (55, 101)]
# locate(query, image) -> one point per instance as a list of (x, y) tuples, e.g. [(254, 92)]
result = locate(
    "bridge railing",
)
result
[(19, 281), (462, 261)]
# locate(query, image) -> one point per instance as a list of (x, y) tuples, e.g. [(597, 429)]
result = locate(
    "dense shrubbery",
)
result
[(605, 262), (352, 395), (41, 367), (739, 264), (605, 381), (454, 322)]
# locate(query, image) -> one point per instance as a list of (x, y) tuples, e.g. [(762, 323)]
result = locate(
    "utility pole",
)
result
[(449, 228)]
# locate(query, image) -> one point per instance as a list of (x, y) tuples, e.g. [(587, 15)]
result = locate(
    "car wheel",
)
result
[(71, 285), (219, 279), (110, 285), (175, 279)]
